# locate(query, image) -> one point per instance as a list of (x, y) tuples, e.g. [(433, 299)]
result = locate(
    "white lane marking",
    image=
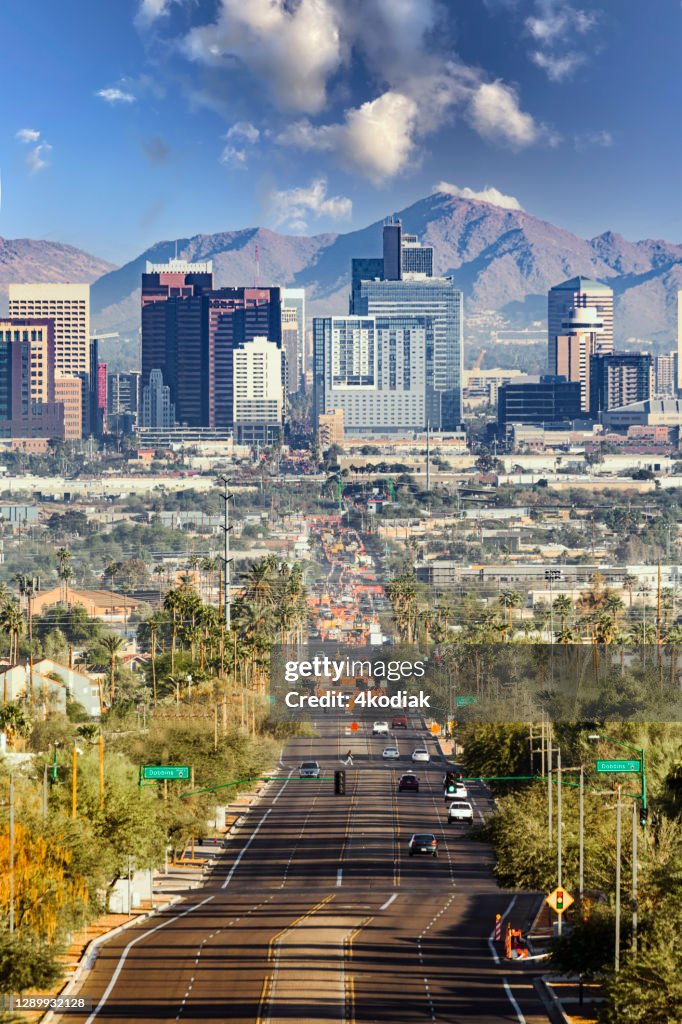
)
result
[(506, 914), (283, 787), (245, 848), (517, 1009), (389, 901), (339, 877), (133, 942)]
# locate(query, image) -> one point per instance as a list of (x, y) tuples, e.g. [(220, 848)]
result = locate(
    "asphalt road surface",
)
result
[(316, 912)]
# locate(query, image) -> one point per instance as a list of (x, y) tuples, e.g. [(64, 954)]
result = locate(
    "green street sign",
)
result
[(633, 767), (462, 702), (165, 771)]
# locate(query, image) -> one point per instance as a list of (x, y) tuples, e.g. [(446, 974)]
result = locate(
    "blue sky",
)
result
[(130, 121)]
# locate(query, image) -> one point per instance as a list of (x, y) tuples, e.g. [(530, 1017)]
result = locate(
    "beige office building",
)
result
[(69, 306), (582, 336)]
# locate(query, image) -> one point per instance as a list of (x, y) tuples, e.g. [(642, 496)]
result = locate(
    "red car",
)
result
[(408, 782), (399, 722)]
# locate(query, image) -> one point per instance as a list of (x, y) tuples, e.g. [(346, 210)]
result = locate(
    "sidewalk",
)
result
[(563, 993)]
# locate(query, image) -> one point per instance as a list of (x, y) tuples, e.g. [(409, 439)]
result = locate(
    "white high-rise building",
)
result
[(577, 293), (378, 371), (69, 306), (258, 391), (158, 412)]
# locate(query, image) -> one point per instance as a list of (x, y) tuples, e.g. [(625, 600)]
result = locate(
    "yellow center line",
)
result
[(349, 980), (308, 913)]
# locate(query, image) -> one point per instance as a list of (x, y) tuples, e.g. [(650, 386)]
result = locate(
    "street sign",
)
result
[(165, 771), (462, 702), (559, 900), (633, 767)]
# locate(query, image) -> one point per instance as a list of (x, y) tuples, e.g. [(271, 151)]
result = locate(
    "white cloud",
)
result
[(28, 135), (554, 28), (150, 10), (291, 50), (487, 195), (115, 95), (292, 207), (496, 115), (375, 138), (601, 138), (243, 130), (38, 157), (234, 158)]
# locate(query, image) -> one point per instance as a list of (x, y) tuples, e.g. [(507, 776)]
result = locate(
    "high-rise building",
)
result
[(28, 405), (69, 391), (124, 399), (293, 312), (538, 400), (437, 298), (415, 258), (378, 371), (258, 392), (68, 305), (392, 245), (177, 279), (158, 412), (577, 293), (190, 330), (619, 378), (581, 335), (665, 375), (679, 343)]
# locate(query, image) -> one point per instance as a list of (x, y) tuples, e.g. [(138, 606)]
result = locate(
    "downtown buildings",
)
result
[(394, 365), (191, 332)]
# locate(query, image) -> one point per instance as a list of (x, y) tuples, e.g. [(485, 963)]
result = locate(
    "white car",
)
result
[(461, 792), (461, 810), (391, 753), (380, 729), (421, 754), (309, 770)]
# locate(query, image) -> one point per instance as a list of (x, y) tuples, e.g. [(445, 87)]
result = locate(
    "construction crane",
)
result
[(104, 337), (479, 361)]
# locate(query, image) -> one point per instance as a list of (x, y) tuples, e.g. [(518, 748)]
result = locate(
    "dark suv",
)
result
[(408, 782)]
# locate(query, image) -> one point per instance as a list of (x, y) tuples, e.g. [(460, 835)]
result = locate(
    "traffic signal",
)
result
[(340, 783), (559, 901), (450, 783), (643, 816)]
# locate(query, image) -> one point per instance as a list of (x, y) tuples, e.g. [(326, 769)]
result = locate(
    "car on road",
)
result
[(391, 753), (423, 844), (421, 754), (460, 810), (380, 729), (460, 793), (309, 770), (399, 722), (409, 782)]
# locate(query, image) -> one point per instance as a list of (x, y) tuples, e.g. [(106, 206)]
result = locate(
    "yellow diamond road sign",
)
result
[(559, 900)]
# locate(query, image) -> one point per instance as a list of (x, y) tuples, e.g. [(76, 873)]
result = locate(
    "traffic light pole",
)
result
[(559, 858), (616, 961)]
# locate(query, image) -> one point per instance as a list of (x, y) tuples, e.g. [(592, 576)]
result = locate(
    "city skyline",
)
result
[(312, 118)]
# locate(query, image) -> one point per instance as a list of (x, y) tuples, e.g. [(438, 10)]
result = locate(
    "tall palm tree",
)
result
[(628, 583), (112, 645), (111, 571), (159, 570), (563, 606), (173, 604), (154, 625), (12, 621), (64, 570), (510, 599)]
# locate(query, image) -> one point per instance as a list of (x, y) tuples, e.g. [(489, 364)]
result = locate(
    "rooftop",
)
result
[(582, 284)]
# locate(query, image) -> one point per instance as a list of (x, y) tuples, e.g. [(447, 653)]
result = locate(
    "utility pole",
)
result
[(635, 823), (11, 851), (559, 851), (616, 962), (226, 551), (581, 853)]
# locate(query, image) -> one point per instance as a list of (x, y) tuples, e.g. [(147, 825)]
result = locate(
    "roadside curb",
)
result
[(551, 1002), (91, 952)]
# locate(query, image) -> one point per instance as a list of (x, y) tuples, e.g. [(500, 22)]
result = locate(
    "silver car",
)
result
[(309, 770)]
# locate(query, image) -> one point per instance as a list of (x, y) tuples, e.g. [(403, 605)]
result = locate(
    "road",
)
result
[(316, 913)]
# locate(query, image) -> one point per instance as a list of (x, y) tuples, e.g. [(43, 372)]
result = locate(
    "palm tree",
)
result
[(14, 721), (510, 599), (154, 625), (628, 583), (173, 604), (12, 621), (112, 571), (159, 571), (112, 645), (563, 606), (64, 570)]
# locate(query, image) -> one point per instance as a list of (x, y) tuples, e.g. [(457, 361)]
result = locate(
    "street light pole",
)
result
[(581, 853), (616, 962), (549, 780), (559, 835), (634, 878)]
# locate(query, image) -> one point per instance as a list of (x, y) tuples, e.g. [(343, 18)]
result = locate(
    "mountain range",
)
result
[(503, 260)]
